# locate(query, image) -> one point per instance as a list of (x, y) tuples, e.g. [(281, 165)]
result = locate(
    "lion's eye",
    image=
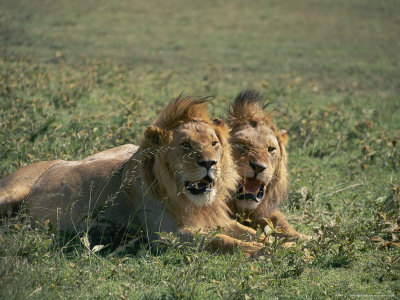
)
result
[(271, 149), (214, 144), (186, 146)]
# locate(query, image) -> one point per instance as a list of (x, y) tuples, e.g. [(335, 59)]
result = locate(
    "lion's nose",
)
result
[(257, 168), (206, 163)]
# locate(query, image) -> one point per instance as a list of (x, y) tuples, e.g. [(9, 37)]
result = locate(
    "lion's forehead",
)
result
[(256, 136), (199, 132)]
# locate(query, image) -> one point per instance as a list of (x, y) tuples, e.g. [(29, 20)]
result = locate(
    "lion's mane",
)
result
[(158, 174), (248, 109)]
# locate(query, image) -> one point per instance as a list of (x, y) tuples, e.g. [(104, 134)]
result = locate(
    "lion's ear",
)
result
[(155, 136), (284, 137)]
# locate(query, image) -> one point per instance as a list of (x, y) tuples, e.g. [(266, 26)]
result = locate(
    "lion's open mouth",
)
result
[(251, 189), (199, 187)]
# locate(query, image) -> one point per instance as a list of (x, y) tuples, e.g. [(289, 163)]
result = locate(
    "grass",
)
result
[(77, 78)]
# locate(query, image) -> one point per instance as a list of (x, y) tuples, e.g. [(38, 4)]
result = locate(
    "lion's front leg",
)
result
[(242, 232), (224, 243), (279, 221)]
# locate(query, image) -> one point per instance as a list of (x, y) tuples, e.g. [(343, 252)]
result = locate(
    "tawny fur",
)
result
[(184, 110), (247, 116), (69, 193)]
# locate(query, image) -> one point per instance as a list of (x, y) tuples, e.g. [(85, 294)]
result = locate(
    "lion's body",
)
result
[(261, 158), (67, 192), (177, 181)]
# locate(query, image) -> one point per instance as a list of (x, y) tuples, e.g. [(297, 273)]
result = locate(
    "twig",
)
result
[(341, 190)]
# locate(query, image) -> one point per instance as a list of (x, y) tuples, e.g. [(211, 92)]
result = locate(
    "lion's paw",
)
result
[(253, 249)]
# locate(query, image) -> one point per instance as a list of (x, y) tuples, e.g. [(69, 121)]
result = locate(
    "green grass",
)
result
[(80, 77)]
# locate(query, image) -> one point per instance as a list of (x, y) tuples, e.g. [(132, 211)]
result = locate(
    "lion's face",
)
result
[(192, 162), (195, 157), (257, 151)]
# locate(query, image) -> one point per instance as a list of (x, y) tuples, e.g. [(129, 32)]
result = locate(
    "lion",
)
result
[(261, 159), (182, 175), (177, 181)]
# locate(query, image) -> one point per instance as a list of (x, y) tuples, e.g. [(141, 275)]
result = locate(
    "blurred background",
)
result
[(210, 46)]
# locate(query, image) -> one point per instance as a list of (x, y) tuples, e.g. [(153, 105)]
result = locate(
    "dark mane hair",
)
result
[(248, 107), (181, 110)]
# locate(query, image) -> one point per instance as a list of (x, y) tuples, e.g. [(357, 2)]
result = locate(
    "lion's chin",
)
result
[(201, 200), (202, 192), (246, 205)]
